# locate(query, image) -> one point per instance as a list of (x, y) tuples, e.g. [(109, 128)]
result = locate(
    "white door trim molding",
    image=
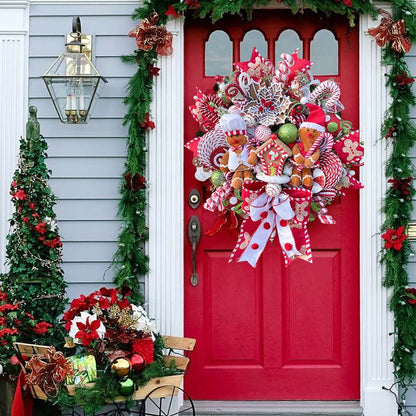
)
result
[(165, 177), (165, 283), (14, 27), (376, 318)]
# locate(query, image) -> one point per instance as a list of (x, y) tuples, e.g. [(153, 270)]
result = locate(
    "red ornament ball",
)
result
[(137, 362)]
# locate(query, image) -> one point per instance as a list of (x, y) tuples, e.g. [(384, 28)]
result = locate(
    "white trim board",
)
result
[(14, 27), (166, 197), (136, 3)]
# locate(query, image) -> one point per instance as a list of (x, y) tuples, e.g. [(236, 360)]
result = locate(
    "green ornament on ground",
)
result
[(287, 133), (217, 178), (126, 387)]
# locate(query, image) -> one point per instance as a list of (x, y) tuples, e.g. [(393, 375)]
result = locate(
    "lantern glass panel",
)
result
[(73, 82)]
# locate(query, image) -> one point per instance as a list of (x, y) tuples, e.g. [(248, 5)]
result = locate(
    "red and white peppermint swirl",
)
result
[(327, 88)]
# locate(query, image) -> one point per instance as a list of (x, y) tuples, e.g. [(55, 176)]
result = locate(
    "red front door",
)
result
[(274, 333)]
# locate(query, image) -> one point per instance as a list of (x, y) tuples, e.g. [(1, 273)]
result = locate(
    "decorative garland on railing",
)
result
[(394, 34)]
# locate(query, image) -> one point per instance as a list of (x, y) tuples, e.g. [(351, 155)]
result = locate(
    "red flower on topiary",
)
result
[(394, 238), (20, 194), (41, 228), (42, 327), (88, 331)]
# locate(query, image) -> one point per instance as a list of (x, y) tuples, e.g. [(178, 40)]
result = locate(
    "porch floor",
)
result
[(276, 408)]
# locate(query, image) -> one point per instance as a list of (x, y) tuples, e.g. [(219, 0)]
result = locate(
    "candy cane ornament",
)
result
[(327, 88)]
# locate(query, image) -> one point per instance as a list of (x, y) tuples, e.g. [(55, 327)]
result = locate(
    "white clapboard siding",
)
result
[(87, 161)]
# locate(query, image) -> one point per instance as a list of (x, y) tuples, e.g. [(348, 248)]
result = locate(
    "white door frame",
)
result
[(165, 175)]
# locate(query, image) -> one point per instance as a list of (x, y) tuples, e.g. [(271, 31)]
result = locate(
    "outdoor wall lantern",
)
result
[(72, 80)]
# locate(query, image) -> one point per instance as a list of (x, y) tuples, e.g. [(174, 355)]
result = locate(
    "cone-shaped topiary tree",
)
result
[(32, 292)]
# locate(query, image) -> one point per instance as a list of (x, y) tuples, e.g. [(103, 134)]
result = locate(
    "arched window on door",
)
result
[(253, 38), (288, 42), (324, 53), (218, 54)]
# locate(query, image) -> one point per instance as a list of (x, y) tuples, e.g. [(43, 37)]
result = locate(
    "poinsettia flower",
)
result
[(403, 79), (42, 327), (85, 328), (401, 184), (88, 331), (394, 238), (143, 323), (41, 228), (20, 195)]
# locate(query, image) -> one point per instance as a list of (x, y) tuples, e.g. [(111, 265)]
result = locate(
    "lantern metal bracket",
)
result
[(76, 41)]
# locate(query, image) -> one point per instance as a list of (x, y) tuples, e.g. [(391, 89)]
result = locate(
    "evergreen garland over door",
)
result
[(274, 333)]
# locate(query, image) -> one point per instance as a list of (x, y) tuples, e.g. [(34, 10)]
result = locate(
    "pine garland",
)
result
[(397, 128)]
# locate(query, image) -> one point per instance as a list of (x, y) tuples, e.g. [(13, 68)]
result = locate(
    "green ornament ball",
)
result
[(287, 133), (332, 127), (126, 387), (217, 178)]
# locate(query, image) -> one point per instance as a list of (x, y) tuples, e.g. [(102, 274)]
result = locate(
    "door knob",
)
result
[(194, 234)]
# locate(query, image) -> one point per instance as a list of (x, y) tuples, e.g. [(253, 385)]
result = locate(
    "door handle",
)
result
[(194, 234)]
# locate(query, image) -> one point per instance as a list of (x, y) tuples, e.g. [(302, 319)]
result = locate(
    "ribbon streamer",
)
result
[(274, 214)]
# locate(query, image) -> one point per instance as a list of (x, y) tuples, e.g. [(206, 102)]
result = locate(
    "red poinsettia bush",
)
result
[(105, 321), (16, 324)]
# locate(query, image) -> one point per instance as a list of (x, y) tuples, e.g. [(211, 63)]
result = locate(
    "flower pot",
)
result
[(7, 388)]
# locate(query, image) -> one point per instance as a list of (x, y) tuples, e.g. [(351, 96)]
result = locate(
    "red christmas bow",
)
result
[(48, 371), (390, 31)]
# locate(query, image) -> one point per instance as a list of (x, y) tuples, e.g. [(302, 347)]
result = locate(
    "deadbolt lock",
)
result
[(194, 199)]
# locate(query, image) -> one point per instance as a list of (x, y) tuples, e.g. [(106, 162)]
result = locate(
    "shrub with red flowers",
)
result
[(33, 296), (17, 324)]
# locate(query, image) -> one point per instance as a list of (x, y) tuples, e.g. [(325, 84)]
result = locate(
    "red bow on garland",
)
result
[(390, 31)]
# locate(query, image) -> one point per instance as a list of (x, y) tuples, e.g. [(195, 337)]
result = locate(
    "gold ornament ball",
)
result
[(121, 367)]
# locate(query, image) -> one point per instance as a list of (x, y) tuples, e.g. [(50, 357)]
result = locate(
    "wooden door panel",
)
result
[(274, 333)]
